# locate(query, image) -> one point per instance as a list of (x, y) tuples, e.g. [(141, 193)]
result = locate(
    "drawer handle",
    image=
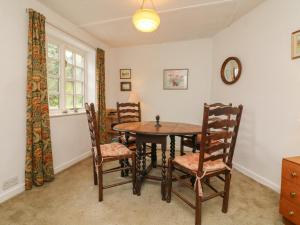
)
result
[(294, 174), (291, 213), (293, 194)]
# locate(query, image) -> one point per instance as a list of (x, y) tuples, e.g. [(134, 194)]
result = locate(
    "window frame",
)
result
[(63, 46)]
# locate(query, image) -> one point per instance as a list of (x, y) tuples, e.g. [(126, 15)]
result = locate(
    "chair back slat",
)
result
[(215, 147), (227, 110), (128, 112), (94, 131), (219, 133), (225, 123), (218, 104)]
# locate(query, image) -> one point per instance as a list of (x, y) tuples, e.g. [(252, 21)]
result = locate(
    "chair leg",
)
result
[(95, 173), (226, 192), (169, 181), (133, 172), (198, 209), (121, 161), (100, 178)]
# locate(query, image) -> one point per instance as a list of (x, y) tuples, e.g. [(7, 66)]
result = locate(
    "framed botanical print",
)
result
[(125, 73), (296, 44), (176, 79), (125, 86)]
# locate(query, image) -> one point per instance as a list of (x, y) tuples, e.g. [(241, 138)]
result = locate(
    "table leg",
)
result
[(163, 171), (153, 155), (144, 159), (121, 162), (195, 143), (172, 146), (126, 161), (138, 168)]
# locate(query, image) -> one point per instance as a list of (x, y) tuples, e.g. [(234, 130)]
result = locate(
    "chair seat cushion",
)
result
[(114, 150), (191, 162), (131, 139)]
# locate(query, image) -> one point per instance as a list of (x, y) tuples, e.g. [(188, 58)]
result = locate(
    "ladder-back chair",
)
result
[(107, 153), (219, 134), (131, 112)]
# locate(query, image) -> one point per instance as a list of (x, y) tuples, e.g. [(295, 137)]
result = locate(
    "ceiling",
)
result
[(110, 20)]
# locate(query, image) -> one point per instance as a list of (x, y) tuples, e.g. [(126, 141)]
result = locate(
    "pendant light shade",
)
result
[(146, 20)]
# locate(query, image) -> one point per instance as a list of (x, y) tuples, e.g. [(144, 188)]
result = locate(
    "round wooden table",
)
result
[(147, 132)]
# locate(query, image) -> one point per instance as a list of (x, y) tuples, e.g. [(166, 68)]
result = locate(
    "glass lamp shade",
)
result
[(146, 20)]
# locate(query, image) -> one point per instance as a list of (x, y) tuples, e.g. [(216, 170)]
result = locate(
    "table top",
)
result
[(166, 128)]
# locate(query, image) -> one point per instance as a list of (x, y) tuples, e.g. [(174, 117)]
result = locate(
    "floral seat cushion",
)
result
[(114, 150), (191, 162), (131, 139)]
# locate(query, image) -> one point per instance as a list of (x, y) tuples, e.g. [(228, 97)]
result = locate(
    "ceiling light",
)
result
[(146, 19)]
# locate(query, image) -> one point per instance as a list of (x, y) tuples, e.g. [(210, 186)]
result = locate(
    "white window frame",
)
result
[(63, 46)]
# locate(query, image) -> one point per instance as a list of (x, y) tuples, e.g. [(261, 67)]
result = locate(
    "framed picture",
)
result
[(125, 86), (176, 79), (125, 73), (296, 44)]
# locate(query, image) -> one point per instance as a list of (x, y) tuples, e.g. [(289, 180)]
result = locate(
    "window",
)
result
[(66, 70)]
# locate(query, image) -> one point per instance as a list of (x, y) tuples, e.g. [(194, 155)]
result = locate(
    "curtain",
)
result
[(100, 95), (39, 161)]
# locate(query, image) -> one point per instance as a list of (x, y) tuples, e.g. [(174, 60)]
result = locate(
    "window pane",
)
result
[(53, 51), (79, 101), (53, 85), (53, 101), (69, 56), (69, 71), (52, 67), (79, 74), (69, 88), (69, 102), (79, 88), (79, 61)]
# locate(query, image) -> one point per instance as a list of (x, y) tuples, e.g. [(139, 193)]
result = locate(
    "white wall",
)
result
[(69, 134), (268, 88), (148, 62)]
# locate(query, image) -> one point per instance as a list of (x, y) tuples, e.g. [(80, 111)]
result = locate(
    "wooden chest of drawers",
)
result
[(290, 190)]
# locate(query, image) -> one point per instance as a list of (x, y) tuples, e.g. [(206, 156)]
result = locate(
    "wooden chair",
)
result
[(221, 126), (128, 112), (107, 153), (131, 112), (188, 141)]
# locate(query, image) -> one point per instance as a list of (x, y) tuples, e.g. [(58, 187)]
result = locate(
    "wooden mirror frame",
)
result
[(223, 69)]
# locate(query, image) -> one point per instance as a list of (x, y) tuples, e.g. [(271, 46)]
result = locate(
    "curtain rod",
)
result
[(60, 29)]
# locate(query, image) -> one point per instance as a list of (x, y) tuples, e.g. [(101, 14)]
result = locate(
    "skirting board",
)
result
[(18, 189), (256, 177), (71, 162)]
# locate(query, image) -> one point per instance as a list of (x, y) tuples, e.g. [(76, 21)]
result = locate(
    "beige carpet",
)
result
[(72, 200)]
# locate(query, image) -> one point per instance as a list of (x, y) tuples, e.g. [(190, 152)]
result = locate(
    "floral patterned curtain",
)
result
[(39, 161), (100, 94)]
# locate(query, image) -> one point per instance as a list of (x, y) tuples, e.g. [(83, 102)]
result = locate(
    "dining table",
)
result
[(156, 133)]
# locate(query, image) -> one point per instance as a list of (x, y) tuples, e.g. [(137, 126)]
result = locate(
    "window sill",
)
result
[(60, 114)]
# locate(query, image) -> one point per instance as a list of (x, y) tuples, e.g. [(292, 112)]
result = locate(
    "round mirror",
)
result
[(231, 70)]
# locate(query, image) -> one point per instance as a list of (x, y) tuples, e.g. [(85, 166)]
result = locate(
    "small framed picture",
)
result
[(296, 44), (125, 86), (125, 73), (176, 79)]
